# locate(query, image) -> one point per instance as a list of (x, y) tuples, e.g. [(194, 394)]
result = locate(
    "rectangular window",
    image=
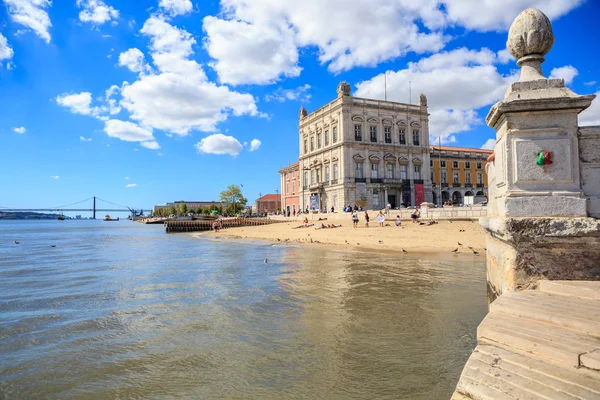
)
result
[(479, 178), (326, 174), (389, 171), (468, 178), (375, 200), (403, 172), (374, 171), (306, 179), (467, 165), (431, 163), (432, 176), (443, 163), (312, 143), (305, 146), (358, 132), (478, 165), (312, 177), (335, 134), (417, 172), (293, 187), (318, 140), (327, 138), (416, 137), (455, 180), (287, 187), (444, 178), (454, 164), (402, 136), (335, 172), (388, 134), (373, 134), (359, 170)]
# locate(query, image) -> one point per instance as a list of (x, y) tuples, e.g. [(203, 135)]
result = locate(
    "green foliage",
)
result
[(172, 211), (234, 198), (182, 209)]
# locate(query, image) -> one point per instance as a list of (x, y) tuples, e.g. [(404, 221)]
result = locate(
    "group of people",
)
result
[(380, 219)]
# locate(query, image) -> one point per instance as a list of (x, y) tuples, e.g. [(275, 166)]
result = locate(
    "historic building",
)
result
[(363, 152), (290, 187), (457, 172), (190, 205), (269, 203)]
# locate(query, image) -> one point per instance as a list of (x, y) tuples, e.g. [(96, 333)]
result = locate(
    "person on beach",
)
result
[(380, 219), (415, 216), (398, 221), (354, 219), (305, 222), (366, 219)]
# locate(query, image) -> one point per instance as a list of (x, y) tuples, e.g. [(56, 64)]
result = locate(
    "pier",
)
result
[(206, 225)]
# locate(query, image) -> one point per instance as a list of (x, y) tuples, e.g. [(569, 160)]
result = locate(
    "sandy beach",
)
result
[(444, 237)]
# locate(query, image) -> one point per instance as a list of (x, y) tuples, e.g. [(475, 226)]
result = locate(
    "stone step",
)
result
[(497, 373), (541, 339), (591, 360), (584, 289), (570, 312)]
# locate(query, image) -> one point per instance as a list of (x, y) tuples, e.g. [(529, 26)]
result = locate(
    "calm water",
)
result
[(123, 311)]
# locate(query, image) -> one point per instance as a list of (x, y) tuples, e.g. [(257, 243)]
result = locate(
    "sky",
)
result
[(148, 101)]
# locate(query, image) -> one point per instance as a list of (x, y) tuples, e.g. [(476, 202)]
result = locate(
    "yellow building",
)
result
[(457, 172)]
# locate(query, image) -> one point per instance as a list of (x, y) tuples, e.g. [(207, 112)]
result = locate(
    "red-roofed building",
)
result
[(269, 203)]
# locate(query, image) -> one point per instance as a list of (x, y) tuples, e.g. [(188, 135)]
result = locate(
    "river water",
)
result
[(119, 310)]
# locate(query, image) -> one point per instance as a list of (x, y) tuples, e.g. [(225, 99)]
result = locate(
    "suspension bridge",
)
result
[(95, 208)]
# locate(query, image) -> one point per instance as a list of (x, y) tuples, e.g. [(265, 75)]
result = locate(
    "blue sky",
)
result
[(147, 101)]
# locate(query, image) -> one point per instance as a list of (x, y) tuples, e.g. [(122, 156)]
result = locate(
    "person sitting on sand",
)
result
[(305, 222), (415, 215), (354, 219), (398, 221)]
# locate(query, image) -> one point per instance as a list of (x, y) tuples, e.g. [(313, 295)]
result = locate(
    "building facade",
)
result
[(190, 205), (290, 187), (363, 152), (269, 203), (457, 172)]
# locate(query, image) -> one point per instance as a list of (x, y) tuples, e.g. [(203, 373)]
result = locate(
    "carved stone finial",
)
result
[(343, 89), (422, 100), (303, 112), (530, 38)]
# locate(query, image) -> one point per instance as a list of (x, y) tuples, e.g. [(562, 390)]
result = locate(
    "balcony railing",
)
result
[(480, 185), (334, 182), (393, 181), (468, 185), (418, 181), (376, 180), (360, 180)]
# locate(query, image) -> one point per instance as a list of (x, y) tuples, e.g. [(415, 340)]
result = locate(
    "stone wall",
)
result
[(589, 161)]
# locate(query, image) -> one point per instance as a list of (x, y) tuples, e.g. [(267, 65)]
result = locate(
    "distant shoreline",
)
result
[(24, 215)]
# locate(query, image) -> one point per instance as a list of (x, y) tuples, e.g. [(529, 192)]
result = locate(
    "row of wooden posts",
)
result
[(206, 225)]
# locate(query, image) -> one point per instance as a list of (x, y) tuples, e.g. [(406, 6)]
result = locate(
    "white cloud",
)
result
[(457, 83), (489, 144), (131, 185), (178, 97), (219, 144), (113, 107), (32, 14), (255, 144), (21, 130), (590, 83), (591, 116), (300, 93), (159, 154), (84, 139), (175, 7), (78, 103), (568, 73), (152, 145), (127, 178), (133, 59), (54, 176), (127, 131), (6, 52), (498, 15), (96, 12)]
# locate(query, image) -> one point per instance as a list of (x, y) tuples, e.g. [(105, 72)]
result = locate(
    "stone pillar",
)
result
[(537, 223)]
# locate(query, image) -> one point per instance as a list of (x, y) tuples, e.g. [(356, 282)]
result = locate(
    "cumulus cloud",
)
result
[(127, 131), (590, 83), (31, 14), (457, 83), (255, 144), (131, 185), (21, 130), (78, 103), (96, 12), (84, 139), (568, 73), (591, 116), (175, 7), (133, 59), (127, 178), (300, 93), (6, 52), (54, 176), (152, 145), (219, 144), (489, 144)]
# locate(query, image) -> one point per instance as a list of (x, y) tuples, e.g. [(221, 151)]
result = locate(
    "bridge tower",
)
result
[(94, 211)]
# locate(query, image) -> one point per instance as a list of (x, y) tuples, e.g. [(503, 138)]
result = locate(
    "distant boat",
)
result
[(61, 216), (108, 218)]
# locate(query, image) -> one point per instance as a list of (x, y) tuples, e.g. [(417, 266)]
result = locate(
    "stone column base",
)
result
[(521, 251)]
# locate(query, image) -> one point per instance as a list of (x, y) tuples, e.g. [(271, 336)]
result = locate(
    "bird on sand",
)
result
[(404, 251), (475, 252), (381, 241), (470, 247), (459, 243), (455, 250)]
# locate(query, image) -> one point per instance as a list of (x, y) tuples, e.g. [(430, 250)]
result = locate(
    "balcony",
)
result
[(333, 182), (376, 180), (418, 181), (480, 185), (360, 180), (392, 181), (315, 185), (469, 185)]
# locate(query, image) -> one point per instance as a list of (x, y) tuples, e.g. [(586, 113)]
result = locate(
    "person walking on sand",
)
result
[(398, 221), (380, 219), (366, 219), (354, 219), (415, 216)]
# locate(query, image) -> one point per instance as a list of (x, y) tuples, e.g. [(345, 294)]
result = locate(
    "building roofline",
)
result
[(465, 149)]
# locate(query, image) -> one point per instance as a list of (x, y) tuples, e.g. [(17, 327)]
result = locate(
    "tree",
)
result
[(182, 209), (172, 210), (234, 198)]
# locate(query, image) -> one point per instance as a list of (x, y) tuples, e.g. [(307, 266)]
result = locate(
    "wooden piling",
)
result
[(206, 225)]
